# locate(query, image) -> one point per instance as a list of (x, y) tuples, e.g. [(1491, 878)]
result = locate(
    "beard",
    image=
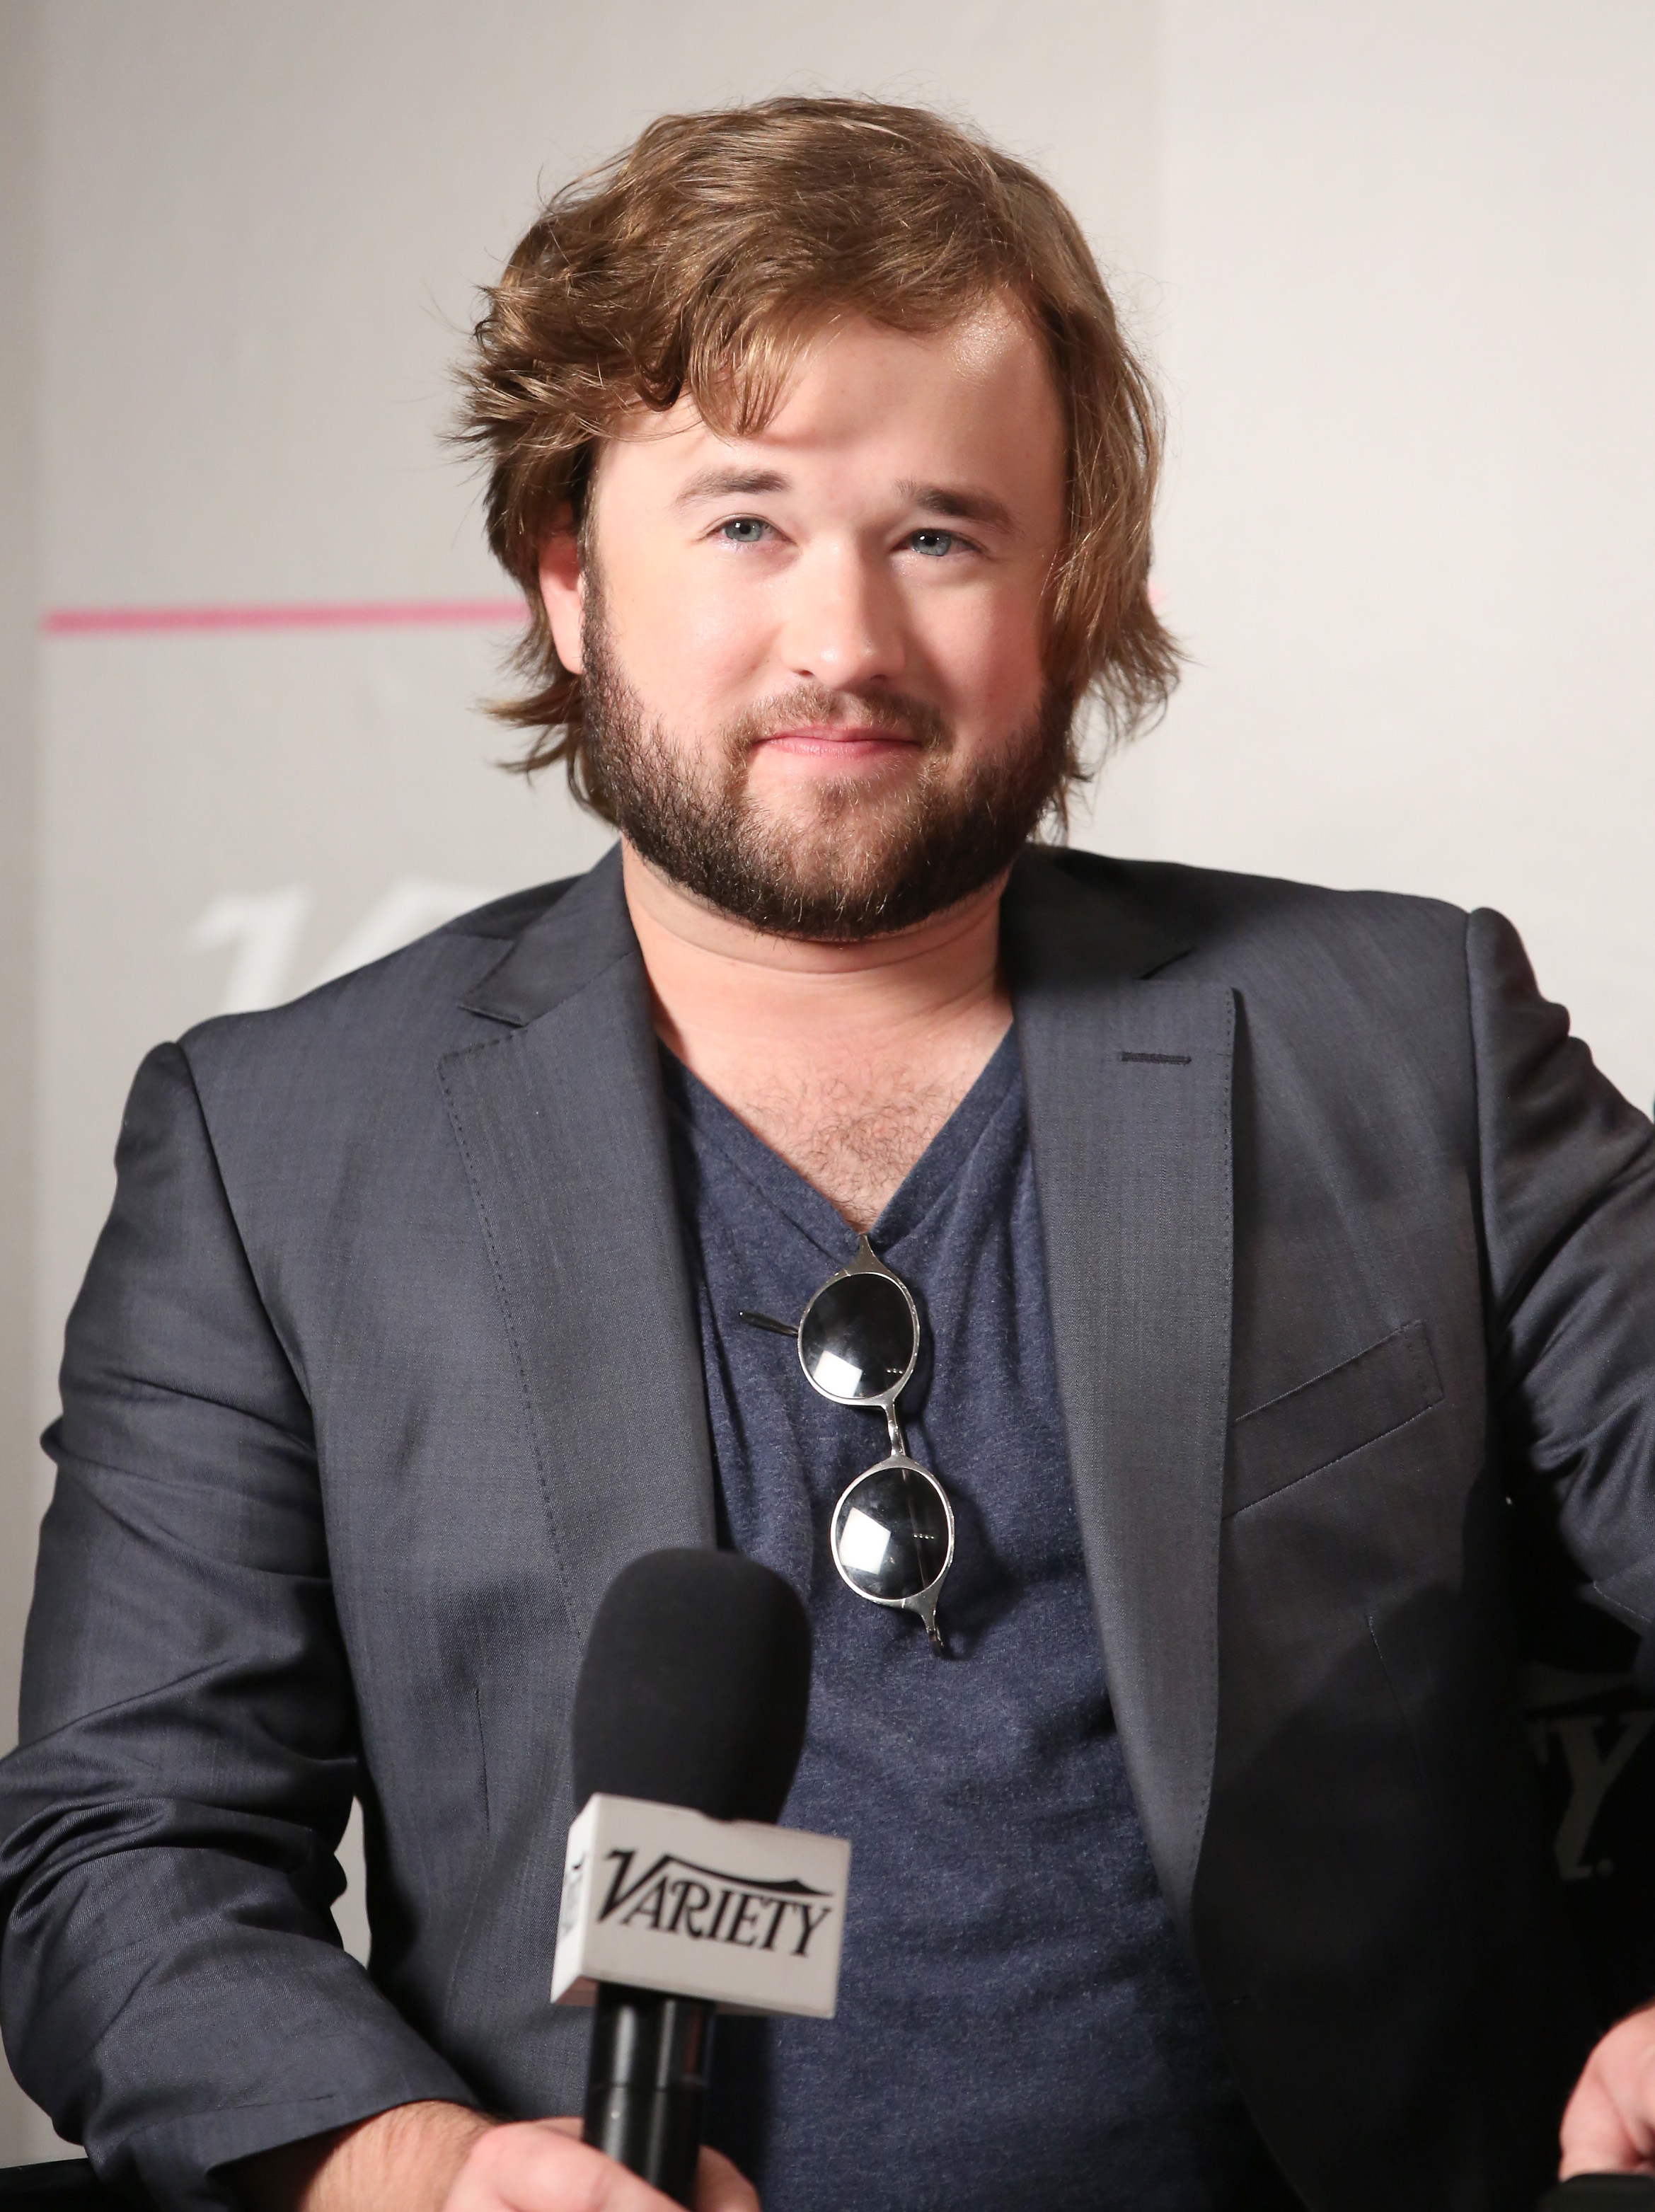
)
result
[(855, 859)]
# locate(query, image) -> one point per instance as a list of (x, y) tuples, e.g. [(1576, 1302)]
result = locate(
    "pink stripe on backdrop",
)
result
[(333, 614)]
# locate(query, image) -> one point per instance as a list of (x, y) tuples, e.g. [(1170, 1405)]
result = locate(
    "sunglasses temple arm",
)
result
[(925, 1606), (763, 1320)]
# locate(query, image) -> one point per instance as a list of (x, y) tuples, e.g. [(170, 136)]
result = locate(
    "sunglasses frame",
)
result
[(865, 1262), (922, 1602)]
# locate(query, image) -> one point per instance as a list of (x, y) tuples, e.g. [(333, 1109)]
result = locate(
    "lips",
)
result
[(842, 739)]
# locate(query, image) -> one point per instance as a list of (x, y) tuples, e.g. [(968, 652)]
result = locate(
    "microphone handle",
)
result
[(646, 2083)]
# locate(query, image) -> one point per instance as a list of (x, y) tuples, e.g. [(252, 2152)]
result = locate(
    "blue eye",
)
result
[(933, 544), (742, 530)]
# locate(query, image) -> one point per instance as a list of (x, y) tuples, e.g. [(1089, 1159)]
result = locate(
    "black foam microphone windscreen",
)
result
[(694, 1687)]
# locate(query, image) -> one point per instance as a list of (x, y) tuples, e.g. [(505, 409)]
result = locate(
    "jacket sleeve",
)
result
[(1567, 1171), (173, 1988)]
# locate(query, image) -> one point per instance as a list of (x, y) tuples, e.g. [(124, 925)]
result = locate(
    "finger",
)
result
[(536, 2166), (1593, 2135), (1609, 2124), (720, 2188)]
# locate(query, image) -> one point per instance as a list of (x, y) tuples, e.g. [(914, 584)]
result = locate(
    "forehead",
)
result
[(977, 393)]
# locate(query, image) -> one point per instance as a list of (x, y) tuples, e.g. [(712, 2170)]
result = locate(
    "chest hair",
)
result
[(854, 1141)]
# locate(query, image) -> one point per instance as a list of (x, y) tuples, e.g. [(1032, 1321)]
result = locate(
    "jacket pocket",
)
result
[(1323, 1419)]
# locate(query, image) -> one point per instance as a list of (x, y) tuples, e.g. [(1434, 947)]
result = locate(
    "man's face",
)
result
[(812, 657)]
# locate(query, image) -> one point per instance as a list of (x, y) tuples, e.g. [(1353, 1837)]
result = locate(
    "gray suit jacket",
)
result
[(386, 1362)]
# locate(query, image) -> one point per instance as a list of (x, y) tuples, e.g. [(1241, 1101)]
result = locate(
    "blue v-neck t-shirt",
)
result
[(1018, 2024)]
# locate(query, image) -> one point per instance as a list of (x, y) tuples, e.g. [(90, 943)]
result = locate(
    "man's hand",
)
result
[(441, 2158), (542, 2166), (1610, 2125)]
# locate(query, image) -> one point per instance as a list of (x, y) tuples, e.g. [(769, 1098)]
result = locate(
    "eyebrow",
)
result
[(730, 484), (954, 502), (960, 503)]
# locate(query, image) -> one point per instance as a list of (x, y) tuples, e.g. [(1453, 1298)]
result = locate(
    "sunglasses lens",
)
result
[(857, 1338), (890, 1533)]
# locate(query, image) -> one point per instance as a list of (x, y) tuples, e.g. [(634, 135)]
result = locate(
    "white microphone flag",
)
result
[(747, 1915)]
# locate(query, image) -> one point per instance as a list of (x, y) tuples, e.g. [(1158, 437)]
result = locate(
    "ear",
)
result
[(563, 590)]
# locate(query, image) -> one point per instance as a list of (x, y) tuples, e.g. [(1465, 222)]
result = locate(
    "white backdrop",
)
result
[(1393, 257)]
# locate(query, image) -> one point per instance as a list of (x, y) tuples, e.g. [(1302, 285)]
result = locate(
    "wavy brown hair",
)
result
[(703, 259)]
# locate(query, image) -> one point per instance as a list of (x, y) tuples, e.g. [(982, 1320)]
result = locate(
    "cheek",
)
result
[(987, 649), (686, 639)]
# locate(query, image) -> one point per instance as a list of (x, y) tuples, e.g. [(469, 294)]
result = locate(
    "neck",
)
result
[(845, 1059), (722, 990)]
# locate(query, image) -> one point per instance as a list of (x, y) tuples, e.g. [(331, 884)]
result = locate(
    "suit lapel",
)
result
[(560, 1123), (1127, 1077)]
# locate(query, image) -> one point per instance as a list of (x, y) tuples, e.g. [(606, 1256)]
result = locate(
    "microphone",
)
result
[(678, 1890)]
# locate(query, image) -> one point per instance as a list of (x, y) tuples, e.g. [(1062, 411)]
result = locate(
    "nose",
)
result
[(842, 622)]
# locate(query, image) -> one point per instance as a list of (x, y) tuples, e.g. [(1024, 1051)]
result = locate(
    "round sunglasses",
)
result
[(892, 1532)]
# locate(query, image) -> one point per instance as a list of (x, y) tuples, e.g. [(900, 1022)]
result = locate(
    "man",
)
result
[(1274, 1250)]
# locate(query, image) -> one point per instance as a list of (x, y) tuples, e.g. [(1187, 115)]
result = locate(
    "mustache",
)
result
[(916, 719)]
